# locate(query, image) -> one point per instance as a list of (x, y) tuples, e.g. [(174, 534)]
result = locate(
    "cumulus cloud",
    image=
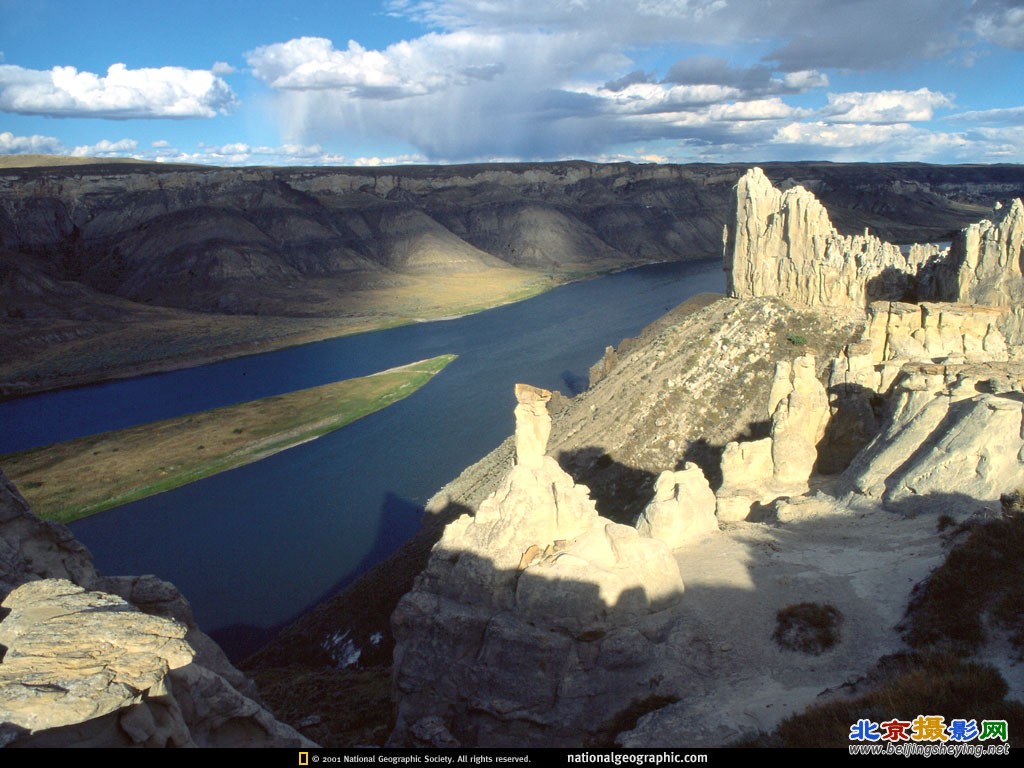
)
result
[(885, 106), (28, 145), (107, 148), (900, 141), (243, 153), (164, 92), (403, 69)]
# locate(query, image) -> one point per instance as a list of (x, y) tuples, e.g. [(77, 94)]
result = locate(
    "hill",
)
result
[(112, 269)]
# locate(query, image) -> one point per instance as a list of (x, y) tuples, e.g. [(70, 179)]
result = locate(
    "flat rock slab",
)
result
[(74, 655)]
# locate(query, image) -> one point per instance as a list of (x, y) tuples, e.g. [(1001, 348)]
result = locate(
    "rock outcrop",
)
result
[(683, 508), (924, 410), (115, 661), (784, 244), (990, 257), (517, 631), (956, 433), (760, 471)]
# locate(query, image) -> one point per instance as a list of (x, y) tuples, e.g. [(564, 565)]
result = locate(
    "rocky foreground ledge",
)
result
[(99, 661)]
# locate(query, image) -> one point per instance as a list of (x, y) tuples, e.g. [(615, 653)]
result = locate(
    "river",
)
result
[(259, 545)]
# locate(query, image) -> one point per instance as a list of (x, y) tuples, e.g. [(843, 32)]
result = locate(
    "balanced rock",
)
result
[(515, 602), (533, 424)]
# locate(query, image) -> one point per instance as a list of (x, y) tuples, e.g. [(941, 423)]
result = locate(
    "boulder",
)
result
[(683, 508), (109, 661)]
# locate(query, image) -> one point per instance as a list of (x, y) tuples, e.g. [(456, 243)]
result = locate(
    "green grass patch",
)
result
[(74, 479)]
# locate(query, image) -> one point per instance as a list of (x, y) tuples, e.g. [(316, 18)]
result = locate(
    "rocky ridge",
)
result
[(921, 410), (99, 661), (162, 266)]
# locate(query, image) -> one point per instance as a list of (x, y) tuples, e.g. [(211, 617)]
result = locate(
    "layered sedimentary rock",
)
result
[(930, 331), (955, 432), (109, 661), (782, 243), (683, 508), (515, 632)]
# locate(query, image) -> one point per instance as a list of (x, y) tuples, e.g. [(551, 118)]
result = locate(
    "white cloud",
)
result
[(23, 145), (106, 148), (165, 92), (1003, 115), (393, 160), (885, 106), (805, 80), (222, 68), (534, 79), (404, 69), (877, 143)]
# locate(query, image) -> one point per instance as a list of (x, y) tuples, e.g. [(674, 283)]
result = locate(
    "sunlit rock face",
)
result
[(955, 433), (683, 509), (760, 471), (109, 661), (782, 243), (526, 601)]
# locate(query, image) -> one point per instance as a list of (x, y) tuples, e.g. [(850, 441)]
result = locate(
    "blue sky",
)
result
[(415, 81)]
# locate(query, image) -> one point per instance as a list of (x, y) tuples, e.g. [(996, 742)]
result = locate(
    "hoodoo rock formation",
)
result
[(783, 244), (537, 622), (913, 355), (109, 662), (536, 569)]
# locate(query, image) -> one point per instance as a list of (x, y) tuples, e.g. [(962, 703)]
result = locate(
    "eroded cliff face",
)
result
[(782, 243), (844, 453), (217, 240), (109, 661)]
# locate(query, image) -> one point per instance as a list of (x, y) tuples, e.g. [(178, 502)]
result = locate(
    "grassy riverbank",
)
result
[(74, 479)]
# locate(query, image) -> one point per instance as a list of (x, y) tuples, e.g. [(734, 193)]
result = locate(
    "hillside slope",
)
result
[(107, 269)]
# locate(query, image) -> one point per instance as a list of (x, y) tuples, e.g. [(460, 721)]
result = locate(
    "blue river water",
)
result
[(259, 545)]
